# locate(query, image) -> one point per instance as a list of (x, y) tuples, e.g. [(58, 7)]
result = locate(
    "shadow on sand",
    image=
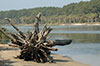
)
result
[(6, 63), (58, 60), (62, 60), (4, 49)]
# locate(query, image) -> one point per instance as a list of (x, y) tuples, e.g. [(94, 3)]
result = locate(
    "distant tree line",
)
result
[(82, 12)]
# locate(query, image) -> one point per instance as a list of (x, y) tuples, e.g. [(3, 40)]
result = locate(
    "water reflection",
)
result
[(88, 53), (76, 33), (76, 28), (90, 38)]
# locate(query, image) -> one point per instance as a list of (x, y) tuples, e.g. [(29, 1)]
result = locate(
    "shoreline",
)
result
[(7, 55), (56, 24), (79, 24)]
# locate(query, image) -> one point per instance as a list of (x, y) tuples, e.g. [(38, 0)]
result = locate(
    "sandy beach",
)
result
[(77, 24), (7, 55)]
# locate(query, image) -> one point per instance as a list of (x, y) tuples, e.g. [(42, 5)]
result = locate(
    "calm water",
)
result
[(85, 47)]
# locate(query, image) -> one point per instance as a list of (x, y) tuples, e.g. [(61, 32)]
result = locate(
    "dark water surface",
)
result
[(85, 47)]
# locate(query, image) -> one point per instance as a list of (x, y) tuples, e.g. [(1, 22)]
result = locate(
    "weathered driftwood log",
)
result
[(52, 43), (34, 45)]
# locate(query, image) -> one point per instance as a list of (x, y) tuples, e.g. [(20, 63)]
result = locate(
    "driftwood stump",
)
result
[(34, 45)]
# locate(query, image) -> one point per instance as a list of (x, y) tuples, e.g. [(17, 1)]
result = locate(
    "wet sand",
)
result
[(7, 55)]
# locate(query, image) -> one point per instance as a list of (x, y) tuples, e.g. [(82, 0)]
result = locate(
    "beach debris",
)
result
[(35, 45)]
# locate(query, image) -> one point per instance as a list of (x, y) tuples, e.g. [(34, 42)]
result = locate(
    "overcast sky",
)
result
[(20, 4)]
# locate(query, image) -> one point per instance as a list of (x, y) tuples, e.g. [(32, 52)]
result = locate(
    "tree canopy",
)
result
[(84, 11)]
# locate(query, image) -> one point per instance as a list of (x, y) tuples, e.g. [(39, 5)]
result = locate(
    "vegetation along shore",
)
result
[(82, 12)]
